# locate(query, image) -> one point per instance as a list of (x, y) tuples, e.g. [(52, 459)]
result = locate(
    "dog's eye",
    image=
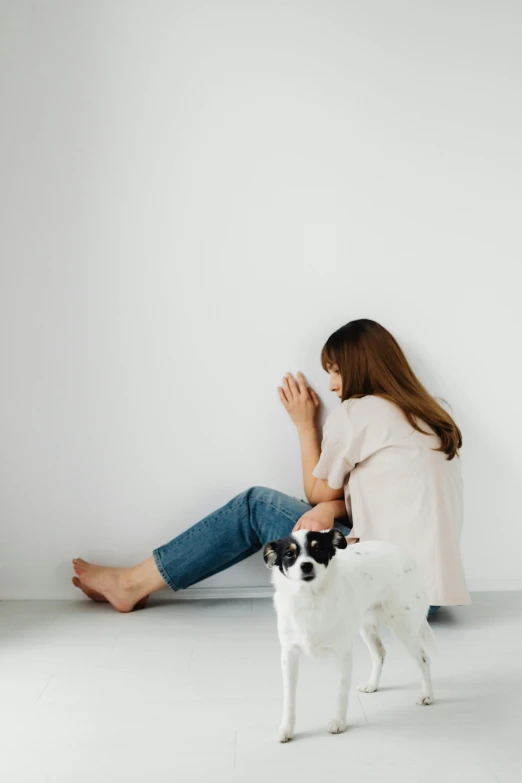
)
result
[(314, 543), (289, 554)]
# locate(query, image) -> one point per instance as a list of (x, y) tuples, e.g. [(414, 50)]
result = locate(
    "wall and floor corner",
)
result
[(194, 196)]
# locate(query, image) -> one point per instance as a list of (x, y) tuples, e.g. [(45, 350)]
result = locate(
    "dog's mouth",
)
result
[(308, 577)]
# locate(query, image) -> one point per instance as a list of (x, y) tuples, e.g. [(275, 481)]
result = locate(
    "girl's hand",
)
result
[(301, 402), (318, 518)]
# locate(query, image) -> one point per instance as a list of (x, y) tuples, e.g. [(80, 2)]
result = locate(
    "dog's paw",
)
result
[(285, 733), (425, 700), (336, 726), (367, 687)]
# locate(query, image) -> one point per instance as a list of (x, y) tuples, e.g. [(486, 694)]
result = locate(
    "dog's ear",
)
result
[(338, 540), (270, 554)]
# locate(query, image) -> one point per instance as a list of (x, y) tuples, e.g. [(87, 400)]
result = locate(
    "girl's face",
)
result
[(335, 380)]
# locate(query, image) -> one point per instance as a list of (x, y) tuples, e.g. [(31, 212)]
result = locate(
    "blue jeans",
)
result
[(235, 531), (232, 533)]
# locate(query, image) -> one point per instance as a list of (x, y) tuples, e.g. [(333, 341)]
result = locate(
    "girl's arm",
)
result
[(302, 405), (316, 490)]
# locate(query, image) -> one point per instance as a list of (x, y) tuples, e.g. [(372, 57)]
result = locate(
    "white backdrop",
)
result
[(194, 196)]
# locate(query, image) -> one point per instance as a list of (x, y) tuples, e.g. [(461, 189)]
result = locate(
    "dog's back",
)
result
[(380, 574)]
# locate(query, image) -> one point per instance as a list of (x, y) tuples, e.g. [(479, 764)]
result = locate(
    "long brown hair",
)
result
[(371, 361)]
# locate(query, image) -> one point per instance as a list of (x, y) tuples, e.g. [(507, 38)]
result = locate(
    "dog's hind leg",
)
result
[(290, 668), (415, 643), (338, 724), (370, 634)]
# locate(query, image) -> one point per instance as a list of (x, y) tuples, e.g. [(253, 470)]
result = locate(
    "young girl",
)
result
[(388, 468)]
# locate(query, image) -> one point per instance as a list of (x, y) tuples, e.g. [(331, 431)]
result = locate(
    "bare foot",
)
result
[(110, 584), (99, 598), (92, 594)]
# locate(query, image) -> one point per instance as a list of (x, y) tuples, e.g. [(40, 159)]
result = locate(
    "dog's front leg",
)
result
[(290, 667), (338, 724)]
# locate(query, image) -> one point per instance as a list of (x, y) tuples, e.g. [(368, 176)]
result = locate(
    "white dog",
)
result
[(322, 602)]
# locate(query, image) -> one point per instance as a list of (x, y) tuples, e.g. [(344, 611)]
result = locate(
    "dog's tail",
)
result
[(428, 638)]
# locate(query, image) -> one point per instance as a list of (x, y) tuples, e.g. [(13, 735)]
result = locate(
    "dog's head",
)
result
[(304, 555)]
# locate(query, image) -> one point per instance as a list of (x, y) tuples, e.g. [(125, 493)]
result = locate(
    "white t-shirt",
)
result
[(398, 488)]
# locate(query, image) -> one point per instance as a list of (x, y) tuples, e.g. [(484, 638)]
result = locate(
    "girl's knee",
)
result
[(261, 493)]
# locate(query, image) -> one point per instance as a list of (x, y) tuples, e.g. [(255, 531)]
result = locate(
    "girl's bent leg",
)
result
[(233, 532)]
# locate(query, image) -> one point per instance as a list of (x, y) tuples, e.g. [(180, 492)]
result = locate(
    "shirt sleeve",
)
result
[(338, 456)]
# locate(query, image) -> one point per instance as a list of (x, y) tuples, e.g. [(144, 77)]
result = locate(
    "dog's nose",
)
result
[(307, 568)]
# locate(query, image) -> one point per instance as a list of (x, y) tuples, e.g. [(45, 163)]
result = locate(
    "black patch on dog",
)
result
[(322, 546), (281, 553)]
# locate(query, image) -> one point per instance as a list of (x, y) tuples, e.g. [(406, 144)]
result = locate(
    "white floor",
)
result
[(190, 691)]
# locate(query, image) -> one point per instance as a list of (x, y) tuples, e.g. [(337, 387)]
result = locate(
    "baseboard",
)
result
[(266, 591), (493, 585), (195, 593)]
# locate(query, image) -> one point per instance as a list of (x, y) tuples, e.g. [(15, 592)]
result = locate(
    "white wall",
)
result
[(194, 196)]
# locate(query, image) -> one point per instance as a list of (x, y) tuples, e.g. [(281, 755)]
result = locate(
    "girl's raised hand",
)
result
[(301, 402)]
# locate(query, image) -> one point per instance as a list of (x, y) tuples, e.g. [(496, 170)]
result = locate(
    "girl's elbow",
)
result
[(322, 492)]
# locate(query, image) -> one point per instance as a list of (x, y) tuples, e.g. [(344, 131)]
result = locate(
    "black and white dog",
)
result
[(324, 596)]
